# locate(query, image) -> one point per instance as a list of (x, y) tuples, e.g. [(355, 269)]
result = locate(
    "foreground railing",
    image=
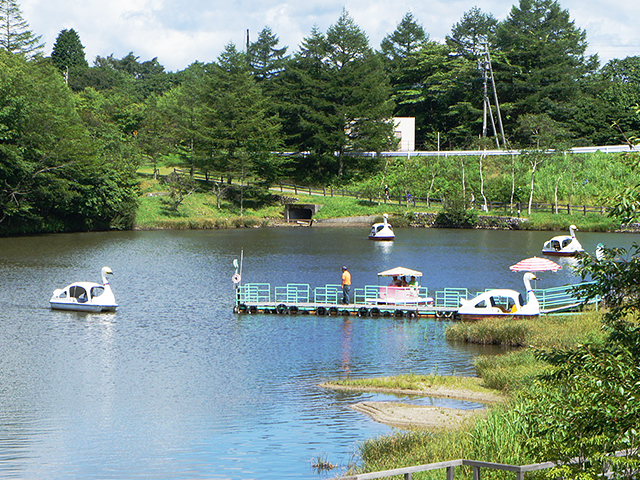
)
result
[(519, 470), (450, 466)]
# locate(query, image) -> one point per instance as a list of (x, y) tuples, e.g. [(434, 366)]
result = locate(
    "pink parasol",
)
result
[(535, 264)]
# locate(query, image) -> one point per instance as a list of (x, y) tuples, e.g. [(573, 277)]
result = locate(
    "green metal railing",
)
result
[(550, 299)]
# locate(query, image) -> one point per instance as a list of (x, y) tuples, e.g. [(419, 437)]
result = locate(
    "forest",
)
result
[(73, 135)]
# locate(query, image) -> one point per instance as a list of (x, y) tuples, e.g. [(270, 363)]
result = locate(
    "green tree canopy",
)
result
[(265, 58), (68, 51), (540, 60), (335, 98), (469, 35), (50, 177)]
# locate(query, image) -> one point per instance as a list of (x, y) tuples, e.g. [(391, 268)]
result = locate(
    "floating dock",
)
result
[(302, 299)]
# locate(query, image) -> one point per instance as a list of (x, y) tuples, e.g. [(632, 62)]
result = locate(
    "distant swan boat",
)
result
[(382, 231), (563, 245), (86, 296)]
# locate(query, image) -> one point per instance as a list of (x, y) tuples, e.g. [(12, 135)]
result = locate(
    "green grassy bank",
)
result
[(159, 209)]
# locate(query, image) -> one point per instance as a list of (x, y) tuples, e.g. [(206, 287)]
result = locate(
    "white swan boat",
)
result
[(501, 303), (563, 245), (86, 296), (382, 231)]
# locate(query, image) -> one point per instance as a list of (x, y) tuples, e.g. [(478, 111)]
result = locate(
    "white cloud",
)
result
[(180, 32)]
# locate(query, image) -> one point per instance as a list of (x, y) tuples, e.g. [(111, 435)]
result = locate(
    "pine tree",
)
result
[(68, 52), (15, 36), (540, 60), (265, 59)]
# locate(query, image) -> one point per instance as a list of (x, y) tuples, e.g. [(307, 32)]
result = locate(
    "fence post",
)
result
[(476, 473), (451, 472), (280, 187), (309, 191), (295, 188), (331, 187), (585, 210)]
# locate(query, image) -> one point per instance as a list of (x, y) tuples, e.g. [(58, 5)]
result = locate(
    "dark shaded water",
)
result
[(174, 385)]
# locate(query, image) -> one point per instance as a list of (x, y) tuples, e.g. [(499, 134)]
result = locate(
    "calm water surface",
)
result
[(174, 385)]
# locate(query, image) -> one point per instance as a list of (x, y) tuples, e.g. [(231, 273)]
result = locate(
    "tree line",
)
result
[(332, 97)]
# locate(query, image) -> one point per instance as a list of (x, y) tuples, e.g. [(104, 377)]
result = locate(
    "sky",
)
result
[(180, 32)]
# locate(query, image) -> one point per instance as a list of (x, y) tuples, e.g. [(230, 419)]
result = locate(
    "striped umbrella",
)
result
[(535, 264)]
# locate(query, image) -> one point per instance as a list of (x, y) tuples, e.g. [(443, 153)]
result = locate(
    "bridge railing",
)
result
[(450, 297), (254, 293)]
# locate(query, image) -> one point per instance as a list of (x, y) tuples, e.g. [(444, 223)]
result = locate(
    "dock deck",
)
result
[(295, 298)]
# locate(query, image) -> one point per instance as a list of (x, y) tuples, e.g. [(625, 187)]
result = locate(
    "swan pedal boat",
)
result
[(501, 303), (563, 245), (397, 295), (382, 231), (86, 296)]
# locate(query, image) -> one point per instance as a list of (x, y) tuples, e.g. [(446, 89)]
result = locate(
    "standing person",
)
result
[(386, 193), (346, 285)]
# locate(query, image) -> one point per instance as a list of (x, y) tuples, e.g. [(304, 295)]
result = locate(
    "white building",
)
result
[(405, 130)]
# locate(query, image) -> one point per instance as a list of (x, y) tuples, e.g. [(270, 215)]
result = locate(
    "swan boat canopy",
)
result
[(86, 296), (382, 231), (563, 245), (501, 303)]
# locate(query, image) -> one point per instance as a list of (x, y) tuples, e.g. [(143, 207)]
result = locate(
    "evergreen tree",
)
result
[(335, 98), (15, 36), (474, 30), (540, 60), (68, 56), (265, 58), (243, 132), (68, 52), (407, 38), (400, 52)]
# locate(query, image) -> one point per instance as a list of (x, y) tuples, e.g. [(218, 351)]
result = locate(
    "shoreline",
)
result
[(409, 416)]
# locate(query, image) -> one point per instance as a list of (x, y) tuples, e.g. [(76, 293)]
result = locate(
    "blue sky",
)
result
[(180, 32)]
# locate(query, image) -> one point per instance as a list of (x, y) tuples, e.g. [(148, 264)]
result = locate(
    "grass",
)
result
[(199, 210), (417, 382)]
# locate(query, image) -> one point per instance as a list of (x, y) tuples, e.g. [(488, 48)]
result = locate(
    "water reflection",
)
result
[(174, 385)]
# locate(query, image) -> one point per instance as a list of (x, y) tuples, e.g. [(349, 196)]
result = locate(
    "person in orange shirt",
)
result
[(346, 285)]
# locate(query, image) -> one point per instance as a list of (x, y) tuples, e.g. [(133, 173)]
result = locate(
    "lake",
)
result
[(175, 385)]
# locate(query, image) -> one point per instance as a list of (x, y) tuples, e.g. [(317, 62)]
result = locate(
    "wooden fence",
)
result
[(451, 465), (423, 201)]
